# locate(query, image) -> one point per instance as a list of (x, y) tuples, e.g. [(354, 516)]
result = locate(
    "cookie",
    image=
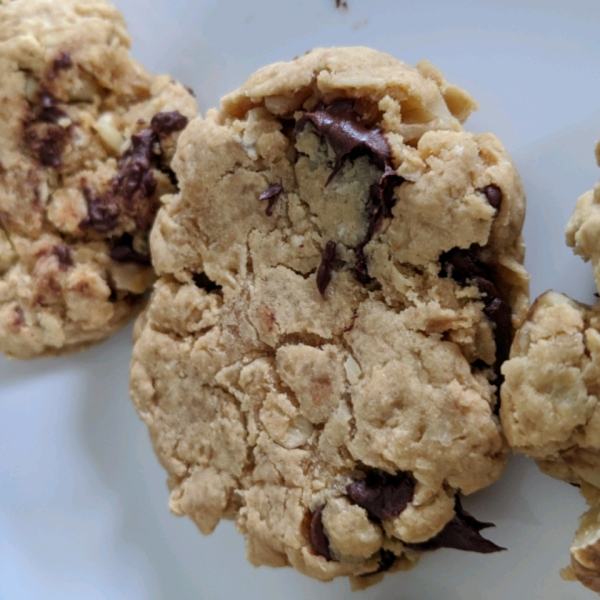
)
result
[(87, 137), (585, 549), (583, 228), (338, 281), (550, 406)]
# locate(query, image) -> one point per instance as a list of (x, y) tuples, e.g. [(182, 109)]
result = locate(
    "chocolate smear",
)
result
[(318, 538), (123, 251), (461, 533), (63, 253), (325, 268), (202, 281), (271, 194), (61, 63), (382, 495), (165, 123), (341, 125), (493, 194), (379, 207)]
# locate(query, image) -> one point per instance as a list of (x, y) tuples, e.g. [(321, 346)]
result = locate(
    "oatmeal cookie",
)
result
[(550, 398), (87, 137), (583, 228), (338, 282)]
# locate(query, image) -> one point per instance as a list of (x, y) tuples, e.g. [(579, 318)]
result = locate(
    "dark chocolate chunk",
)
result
[(135, 166), (382, 495), (461, 533), (46, 144), (493, 194), (203, 282), (131, 189), (103, 211), (63, 253), (164, 123), (123, 251), (48, 111), (325, 268), (271, 194), (464, 266), (386, 561), (340, 124), (61, 63), (318, 538)]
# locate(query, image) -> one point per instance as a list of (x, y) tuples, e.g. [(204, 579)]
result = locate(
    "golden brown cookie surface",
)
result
[(87, 137), (337, 279)]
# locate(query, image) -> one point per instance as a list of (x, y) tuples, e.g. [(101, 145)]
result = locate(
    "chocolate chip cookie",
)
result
[(338, 282), (87, 137), (550, 407)]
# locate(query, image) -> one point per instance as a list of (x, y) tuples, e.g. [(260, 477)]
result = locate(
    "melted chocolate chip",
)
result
[(103, 211), (47, 144), (379, 207), (203, 282), (325, 268), (271, 194), (461, 533), (135, 174), (131, 189), (493, 194), (340, 124), (49, 112), (123, 251), (63, 253), (318, 538), (61, 63), (165, 123), (464, 266), (382, 495)]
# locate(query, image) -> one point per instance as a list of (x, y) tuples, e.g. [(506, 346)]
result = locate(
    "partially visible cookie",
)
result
[(550, 407), (86, 141), (338, 282), (583, 228), (585, 549)]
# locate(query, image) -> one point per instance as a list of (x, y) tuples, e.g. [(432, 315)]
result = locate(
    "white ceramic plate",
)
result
[(83, 502)]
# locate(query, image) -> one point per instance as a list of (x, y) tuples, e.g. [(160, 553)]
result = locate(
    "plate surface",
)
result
[(83, 501)]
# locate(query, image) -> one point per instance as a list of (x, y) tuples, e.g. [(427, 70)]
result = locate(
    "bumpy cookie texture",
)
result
[(87, 137), (550, 409), (583, 228), (585, 549), (318, 359), (550, 406)]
